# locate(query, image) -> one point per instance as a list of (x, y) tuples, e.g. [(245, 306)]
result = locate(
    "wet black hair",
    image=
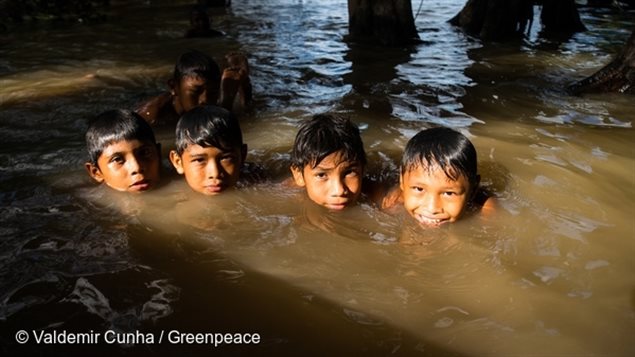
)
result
[(196, 63), (323, 135), (115, 125), (208, 125), (441, 147)]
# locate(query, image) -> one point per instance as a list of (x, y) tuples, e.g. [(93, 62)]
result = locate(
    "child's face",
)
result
[(333, 183), (209, 170), (193, 91), (127, 165), (431, 197)]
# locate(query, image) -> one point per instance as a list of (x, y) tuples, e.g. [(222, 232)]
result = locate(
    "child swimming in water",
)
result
[(210, 152), (200, 24), (196, 81), (439, 182), (123, 151), (328, 159)]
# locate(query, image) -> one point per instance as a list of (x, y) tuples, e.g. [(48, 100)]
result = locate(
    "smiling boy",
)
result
[(209, 149), (328, 160), (439, 182), (123, 152)]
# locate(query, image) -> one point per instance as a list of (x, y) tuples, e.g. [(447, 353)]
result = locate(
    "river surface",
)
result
[(550, 274)]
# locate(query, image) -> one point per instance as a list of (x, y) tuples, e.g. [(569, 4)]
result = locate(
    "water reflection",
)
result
[(373, 95)]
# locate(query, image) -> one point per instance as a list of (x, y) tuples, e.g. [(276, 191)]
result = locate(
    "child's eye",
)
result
[(352, 173), (451, 194), (117, 159), (198, 160), (321, 175), (228, 158), (417, 188), (147, 153)]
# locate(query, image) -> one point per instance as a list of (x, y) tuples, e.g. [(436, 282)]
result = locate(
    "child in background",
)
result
[(123, 151), (328, 159), (200, 24), (209, 149), (439, 181), (196, 81)]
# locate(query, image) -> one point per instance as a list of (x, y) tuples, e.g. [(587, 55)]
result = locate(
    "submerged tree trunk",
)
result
[(617, 76), (495, 19), (505, 19), (389, 22), (561, 17)]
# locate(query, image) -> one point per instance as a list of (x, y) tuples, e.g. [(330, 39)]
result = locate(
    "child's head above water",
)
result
[(209, 149), (438, 176), (328, 159), (199, 18), (123, 151), (196, 81)]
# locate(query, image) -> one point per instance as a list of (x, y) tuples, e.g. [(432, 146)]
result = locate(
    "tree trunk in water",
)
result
[(617, 76), (495, 19), (561, 17), (389, 22)]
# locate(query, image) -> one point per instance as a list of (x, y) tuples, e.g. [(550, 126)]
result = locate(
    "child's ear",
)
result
[(176, 161), (298, 176), (401, 181), (94, 172), (243, 153)]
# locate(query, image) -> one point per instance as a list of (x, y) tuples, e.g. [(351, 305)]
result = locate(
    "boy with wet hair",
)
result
[(196, 81), (328, 159), (439, 181), (123, 151), (209, 149)]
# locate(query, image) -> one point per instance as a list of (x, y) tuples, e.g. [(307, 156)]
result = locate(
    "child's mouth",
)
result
[(213, 189), (429, 221), (142, 185), (336, 206)]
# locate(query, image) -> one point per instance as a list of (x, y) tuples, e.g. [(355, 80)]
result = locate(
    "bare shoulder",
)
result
[(486, 201), (489, 206), (151, 109)]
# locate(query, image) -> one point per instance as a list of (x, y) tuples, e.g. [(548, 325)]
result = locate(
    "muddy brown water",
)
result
[(551, 273)]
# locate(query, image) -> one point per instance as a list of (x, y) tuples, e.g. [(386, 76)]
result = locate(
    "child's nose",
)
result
[(338, 187), (432, 203), (213, 170), (135, 166)]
